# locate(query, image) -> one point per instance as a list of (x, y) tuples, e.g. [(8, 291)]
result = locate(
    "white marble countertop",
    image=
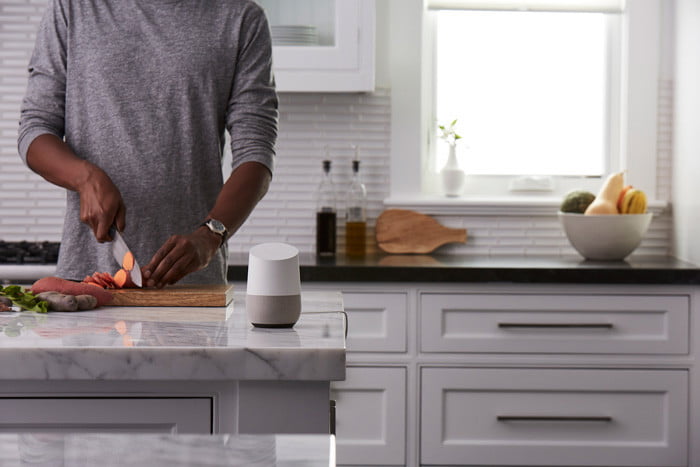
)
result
[(154, 450), (174, 343)]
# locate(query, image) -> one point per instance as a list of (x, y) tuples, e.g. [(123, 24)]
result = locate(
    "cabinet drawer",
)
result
[(554, 417), (371, 416), (107, 414), (376, 321), (627, 324)]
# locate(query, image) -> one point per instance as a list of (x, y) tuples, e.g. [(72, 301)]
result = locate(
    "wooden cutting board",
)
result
[(404, 231), (175, 295)]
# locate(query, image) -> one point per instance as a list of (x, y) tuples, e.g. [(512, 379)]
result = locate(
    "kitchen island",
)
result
[(171, 369)]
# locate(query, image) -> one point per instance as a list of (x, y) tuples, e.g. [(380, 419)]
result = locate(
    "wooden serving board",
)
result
[(404, 231), (174, 295)]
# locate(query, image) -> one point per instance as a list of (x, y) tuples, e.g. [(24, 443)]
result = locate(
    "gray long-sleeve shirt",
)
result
[(145, 89)]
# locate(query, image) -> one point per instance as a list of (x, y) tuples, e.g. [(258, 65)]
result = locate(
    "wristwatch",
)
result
[(218, 228)]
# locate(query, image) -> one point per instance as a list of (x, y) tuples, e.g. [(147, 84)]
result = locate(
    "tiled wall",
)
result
[(32, 209)]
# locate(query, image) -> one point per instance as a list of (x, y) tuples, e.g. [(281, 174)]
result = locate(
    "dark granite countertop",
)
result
[(451, 268)]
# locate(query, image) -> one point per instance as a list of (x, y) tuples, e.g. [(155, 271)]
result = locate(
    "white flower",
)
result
[(449, 133)]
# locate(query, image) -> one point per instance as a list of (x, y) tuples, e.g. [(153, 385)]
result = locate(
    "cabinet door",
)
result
[(554, 417), (371, 416), (376, 321), (107, 414), (343, 58)]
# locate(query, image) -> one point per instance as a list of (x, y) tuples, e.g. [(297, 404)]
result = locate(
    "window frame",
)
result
[(412, 117)]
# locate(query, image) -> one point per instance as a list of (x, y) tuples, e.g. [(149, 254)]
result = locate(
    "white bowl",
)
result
[(605, 237)]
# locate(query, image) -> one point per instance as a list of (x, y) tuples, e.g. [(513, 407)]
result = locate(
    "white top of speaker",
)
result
[(273, 270)]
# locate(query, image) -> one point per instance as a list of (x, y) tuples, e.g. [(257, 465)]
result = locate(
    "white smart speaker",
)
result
[(273, 291)]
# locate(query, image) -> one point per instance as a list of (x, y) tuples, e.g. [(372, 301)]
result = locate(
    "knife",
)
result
[(119, 249)]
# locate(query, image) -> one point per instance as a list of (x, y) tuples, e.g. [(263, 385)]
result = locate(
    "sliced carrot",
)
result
[(97, 277), (122, 279), (128, 261)]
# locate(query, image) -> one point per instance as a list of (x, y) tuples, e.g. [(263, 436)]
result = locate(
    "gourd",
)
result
[(605, 201), (577, 201)]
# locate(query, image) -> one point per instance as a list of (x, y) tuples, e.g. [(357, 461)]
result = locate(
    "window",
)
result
[(624, 59), (529, 91)]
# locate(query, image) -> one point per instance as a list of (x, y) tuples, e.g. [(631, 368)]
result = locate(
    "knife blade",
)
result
[(119, 249)]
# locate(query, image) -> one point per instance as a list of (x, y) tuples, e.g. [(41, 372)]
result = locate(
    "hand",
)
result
[(179, 256), (101, 204)]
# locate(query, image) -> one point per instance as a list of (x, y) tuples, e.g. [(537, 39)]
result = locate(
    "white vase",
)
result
[(452, 176)]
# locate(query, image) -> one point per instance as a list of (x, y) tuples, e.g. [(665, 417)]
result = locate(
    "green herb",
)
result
[(24, 299)]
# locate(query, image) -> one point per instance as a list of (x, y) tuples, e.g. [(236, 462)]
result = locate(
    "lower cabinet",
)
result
[(371, 416), (554, 417), (106, 414), (519, 375)]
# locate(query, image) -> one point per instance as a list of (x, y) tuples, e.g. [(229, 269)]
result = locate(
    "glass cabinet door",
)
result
[(322, 45), (301, 22)]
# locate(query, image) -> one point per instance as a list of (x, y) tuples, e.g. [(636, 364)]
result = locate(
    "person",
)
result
[(127, 106)]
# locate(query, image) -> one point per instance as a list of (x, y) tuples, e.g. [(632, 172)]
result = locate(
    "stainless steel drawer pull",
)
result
[(552, 418), (557, 325)]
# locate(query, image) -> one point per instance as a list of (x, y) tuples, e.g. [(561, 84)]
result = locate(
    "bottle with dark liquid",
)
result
[(356, 217), (326, 214)]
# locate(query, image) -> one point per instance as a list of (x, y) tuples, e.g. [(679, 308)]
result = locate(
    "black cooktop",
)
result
[(24, 252)]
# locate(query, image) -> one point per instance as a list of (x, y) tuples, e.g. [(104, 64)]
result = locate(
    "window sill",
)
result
[(489, 206)]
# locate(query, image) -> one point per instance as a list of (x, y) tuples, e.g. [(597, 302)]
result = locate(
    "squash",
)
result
[(605, 201)]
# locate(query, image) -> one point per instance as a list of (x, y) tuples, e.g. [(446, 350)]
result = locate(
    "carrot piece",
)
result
[(109, 280), (122, 279), (97, 277), (128, 261)]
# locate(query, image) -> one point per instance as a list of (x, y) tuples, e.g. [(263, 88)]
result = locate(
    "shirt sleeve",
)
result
[(252, 112), (43, 107)]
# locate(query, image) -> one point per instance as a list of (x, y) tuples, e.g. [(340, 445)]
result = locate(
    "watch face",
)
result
[(217, 226)]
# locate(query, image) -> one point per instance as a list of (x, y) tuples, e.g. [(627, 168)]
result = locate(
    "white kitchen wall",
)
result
[(31, 209)]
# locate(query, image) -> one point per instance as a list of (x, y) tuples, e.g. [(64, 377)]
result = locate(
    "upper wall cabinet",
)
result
[(322, 45)]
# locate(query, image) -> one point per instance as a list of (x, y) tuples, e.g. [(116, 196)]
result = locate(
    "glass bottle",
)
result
[(326, 214), (356, 214)]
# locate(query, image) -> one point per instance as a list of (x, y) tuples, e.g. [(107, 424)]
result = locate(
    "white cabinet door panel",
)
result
[(554, 417), (618, 324), (371, 416), (376, 321), (106, 414)]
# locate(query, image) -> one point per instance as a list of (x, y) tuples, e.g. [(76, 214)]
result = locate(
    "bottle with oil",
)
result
[(356, 214), (326, 214)]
